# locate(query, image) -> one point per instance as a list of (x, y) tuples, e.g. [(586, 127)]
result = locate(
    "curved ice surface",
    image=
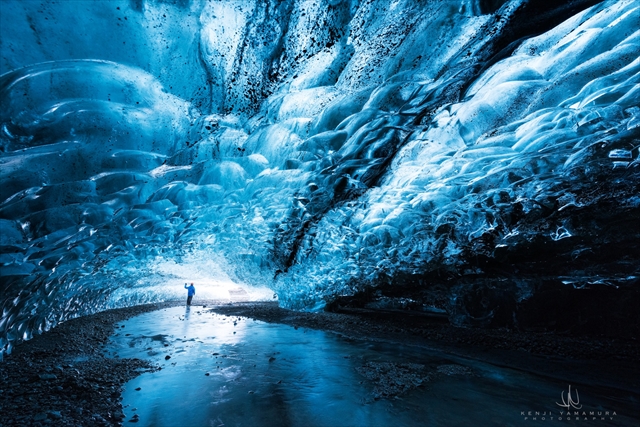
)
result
[(334, 147)]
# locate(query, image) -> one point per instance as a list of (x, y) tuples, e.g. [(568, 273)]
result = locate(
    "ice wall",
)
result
[(448, 156)]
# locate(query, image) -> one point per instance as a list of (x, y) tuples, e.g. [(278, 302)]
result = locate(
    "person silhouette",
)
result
[(191, 291)]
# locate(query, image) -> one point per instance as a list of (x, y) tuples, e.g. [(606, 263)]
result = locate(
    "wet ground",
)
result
[(291, 368), (228, 370)]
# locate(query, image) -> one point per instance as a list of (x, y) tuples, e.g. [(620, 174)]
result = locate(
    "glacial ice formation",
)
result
[(464, 156)]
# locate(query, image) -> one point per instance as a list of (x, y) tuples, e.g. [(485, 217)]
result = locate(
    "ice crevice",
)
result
[(461, 157)]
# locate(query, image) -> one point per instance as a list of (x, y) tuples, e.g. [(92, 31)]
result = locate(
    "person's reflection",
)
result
[(187, 312)]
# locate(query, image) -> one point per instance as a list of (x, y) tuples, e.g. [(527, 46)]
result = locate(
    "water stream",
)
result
[(230, 371)]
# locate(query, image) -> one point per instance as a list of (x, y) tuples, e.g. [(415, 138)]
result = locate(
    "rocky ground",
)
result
[(62, 377)]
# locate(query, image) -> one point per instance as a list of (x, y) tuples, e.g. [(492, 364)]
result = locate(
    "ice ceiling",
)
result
[(460, 154)]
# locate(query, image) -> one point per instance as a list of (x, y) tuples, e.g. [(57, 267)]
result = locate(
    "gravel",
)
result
[(63, 378)]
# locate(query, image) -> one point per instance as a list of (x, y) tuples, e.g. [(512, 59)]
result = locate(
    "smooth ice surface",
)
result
[(264, 374), (318, 148)]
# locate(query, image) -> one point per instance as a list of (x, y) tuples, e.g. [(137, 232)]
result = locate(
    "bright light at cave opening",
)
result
[(210, 280), (208, 275)]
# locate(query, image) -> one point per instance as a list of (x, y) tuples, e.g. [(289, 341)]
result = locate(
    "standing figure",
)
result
[(191, 291)]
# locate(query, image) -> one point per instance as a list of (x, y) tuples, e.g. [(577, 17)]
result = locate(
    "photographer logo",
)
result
[(572, 410), (569, 402)]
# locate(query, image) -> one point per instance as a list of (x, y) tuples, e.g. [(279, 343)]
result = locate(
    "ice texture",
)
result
[(459, 150)]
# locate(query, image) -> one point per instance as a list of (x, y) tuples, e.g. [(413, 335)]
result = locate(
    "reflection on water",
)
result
[(230, 371)]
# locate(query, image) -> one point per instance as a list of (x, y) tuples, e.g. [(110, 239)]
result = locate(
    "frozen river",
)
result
[(231, 371)]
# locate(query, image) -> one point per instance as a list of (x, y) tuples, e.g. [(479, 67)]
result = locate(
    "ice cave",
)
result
[(394, 212)]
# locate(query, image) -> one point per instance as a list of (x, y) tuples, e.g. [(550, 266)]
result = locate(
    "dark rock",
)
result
[(40, 417), (47, 376), (56, 415)]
